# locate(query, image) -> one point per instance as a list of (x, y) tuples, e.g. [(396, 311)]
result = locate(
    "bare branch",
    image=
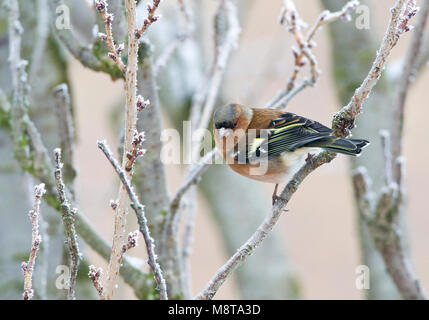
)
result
[(68, 217), (136, 152), (95, 275), (303, 55), (282, 99), (347, 113), (267, 225), (384, 227), (36, 239), (328, 17), (131, 241), (141, 219), (115, 51), (81, 52), (130, 127), (344, 119), (151, 18)]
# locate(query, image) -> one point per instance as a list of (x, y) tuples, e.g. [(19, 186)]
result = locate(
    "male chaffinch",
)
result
[(270, 145)]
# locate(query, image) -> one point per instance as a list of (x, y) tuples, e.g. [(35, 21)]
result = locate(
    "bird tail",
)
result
[(352, 147)]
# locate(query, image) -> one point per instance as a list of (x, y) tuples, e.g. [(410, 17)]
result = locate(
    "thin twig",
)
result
[(328, 17), (95, 275), (344, 119), (36, 239), (131, 241), (115, 51), (68, 217), (141, 219), (303, 54), (83, 53), (130, 127), (151, 18), (282, 99)]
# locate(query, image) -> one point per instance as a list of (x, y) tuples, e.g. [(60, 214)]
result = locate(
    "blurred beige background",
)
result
[(319, 230)]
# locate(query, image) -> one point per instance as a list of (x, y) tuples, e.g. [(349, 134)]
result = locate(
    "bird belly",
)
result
[(276, 169)]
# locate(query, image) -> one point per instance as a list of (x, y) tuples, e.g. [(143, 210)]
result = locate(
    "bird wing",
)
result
[(286, 134)]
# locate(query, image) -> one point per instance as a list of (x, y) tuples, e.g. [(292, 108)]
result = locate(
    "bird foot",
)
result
[(276, 198), (309, 159)]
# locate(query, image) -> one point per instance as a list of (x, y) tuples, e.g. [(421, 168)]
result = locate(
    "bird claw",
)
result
[(276, 198), (309, 159)]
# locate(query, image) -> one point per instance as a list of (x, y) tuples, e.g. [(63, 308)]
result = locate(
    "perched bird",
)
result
[(270, 145)]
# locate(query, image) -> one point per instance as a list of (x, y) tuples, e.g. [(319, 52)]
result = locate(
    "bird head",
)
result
[(231, 118), (230, 123)]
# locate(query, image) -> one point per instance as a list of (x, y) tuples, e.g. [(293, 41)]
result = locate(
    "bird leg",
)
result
[(309, 158), (275, 196)]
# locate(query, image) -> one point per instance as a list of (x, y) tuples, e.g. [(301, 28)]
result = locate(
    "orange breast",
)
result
[(274, 170)]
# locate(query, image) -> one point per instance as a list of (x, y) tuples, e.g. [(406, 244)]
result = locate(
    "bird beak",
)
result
[(223, 133)]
